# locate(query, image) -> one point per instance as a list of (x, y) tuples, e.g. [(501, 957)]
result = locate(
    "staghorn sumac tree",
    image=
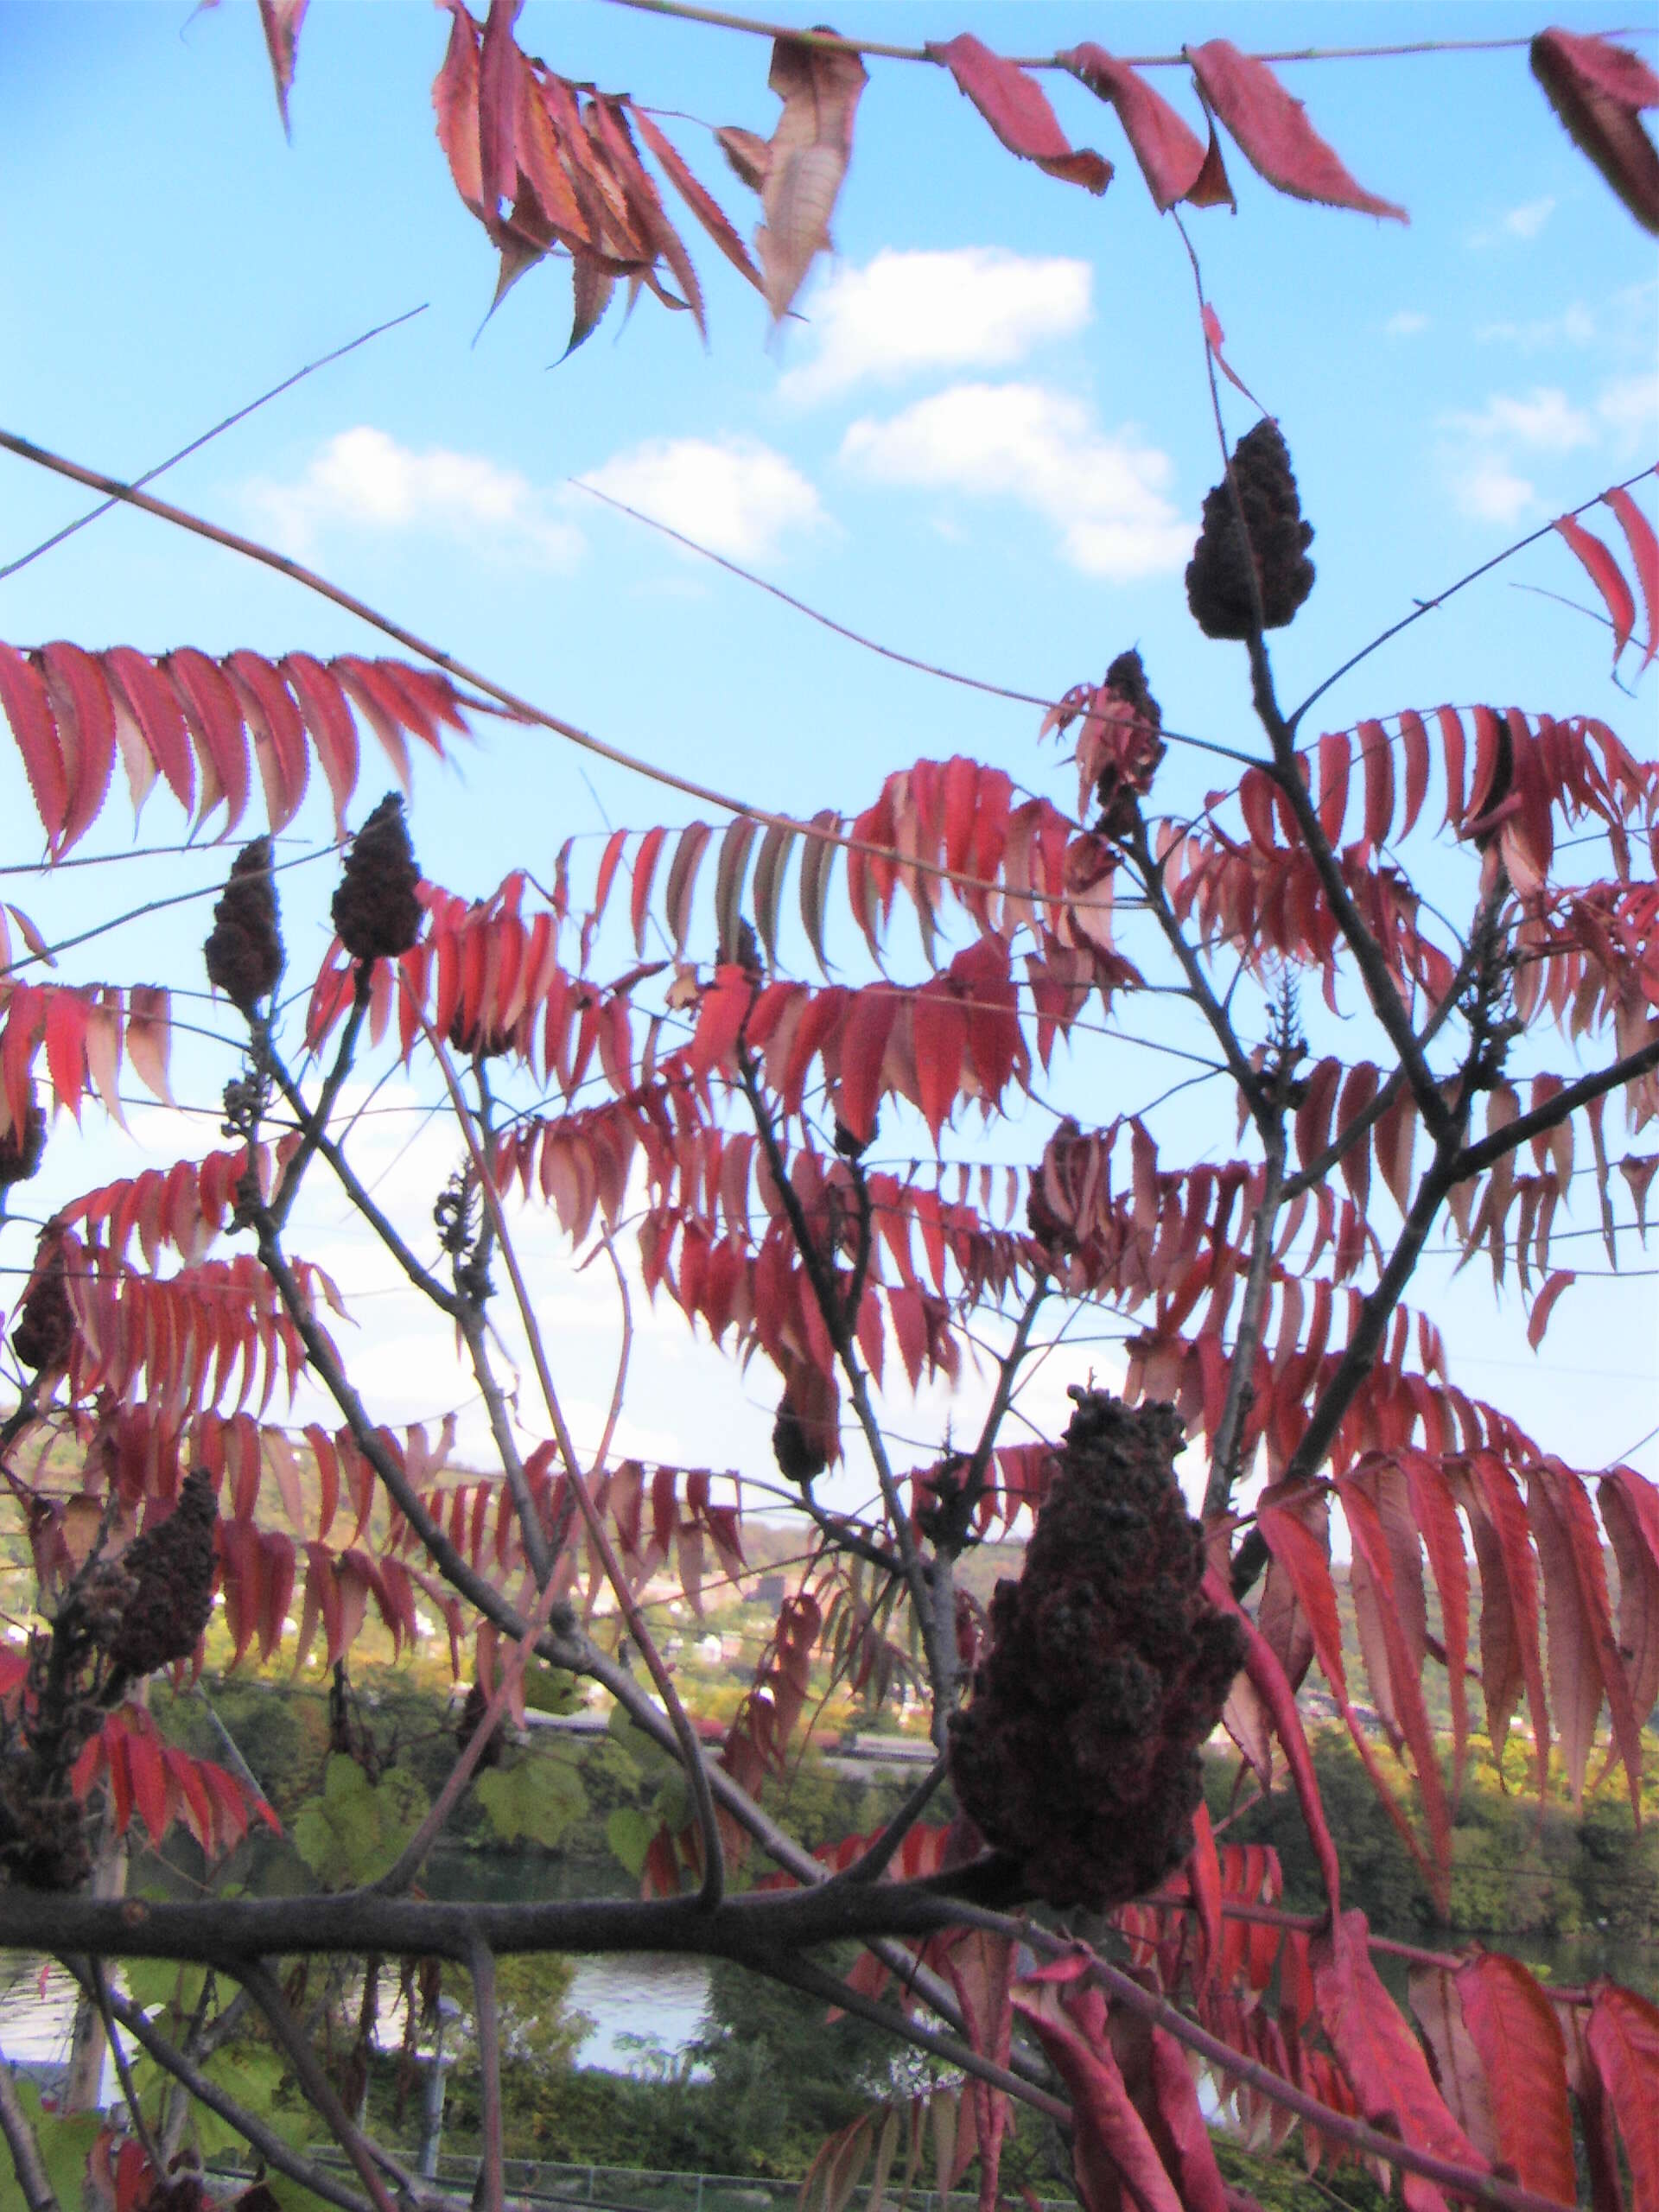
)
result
[(1418, 950)]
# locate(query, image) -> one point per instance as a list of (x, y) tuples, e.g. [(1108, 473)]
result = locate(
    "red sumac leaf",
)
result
[(805, 160), (1111, 2150), (1644, 555), (1174, 160), (1513, 2027), (1274, 132), (1544, 1304), (1377, 755), (1383, 2060), (1017, 109), (1607, 577), (1598, 91), (1623, 2043)]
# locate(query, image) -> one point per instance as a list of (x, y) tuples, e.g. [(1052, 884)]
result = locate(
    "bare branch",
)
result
[(320, 2092), (271, 2147), (39, 2196), (481, 1965), (1553, 1112)]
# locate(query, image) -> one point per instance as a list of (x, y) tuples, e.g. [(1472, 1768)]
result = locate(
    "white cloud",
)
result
[(1545, 420), (1491, 492), (364, 480), (735, 496), (1527, 221), (1630, 408), (1407, 323), (1105, 492), (1575, 326), (978, 307)]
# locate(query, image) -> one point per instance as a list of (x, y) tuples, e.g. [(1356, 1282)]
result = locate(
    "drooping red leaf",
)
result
[(1630, 1512), (1017, 109), (1584, 1659), (1457, 2070), (1268, 1679), (1607, 577), (1214, 338), (1600, 90), (455, 105), (702, 203), (1174, 160), (806, 160), (1544, 1304), (86, 721), (1644, 556), (1403, 1682), (281, 21), (1274, 133), (1513, 2027), (23, 696), (1381, 2058), (1624, 2043), (1111, 2150)]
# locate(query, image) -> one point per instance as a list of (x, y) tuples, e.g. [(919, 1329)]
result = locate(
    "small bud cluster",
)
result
[(1121, 746), (244, 949), (1109, 1666), (804, 1435), (472, 1720), (44, 1333), (376, 910), (1219, 582), (20, 1147)]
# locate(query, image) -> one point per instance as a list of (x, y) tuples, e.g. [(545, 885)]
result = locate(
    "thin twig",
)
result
[(723, 19), (412, 1857), (806, 1973), (1472, 575), (697, 1773), (494, 696), (872, 645), (207, 437), (319, 2090), (99, 1983), (875, 1862)]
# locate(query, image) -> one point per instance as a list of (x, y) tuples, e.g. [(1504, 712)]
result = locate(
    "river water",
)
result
[(644, 2009)]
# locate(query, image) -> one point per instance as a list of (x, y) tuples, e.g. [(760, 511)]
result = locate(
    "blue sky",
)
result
[(986, 441)]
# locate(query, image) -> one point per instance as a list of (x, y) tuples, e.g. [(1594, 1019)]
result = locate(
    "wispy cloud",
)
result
[(363, 480), (1489, 450), (975, 307), (1574, 326), (1527, 219), (1629, 406), (1104, 491), (1543, 421), (1409, 322), (1523, 222), (735, 495), (1490, 490)]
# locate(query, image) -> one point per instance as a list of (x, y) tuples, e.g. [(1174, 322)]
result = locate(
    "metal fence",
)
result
[(643, 2189)]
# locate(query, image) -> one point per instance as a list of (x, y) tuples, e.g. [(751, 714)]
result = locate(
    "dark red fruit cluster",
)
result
[(1127, 747), (805, 1435), (44, 1333), (21, 1148), (1219, 587), (1078, 1756), (171, 1569), (244, 949), (376, 911)]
